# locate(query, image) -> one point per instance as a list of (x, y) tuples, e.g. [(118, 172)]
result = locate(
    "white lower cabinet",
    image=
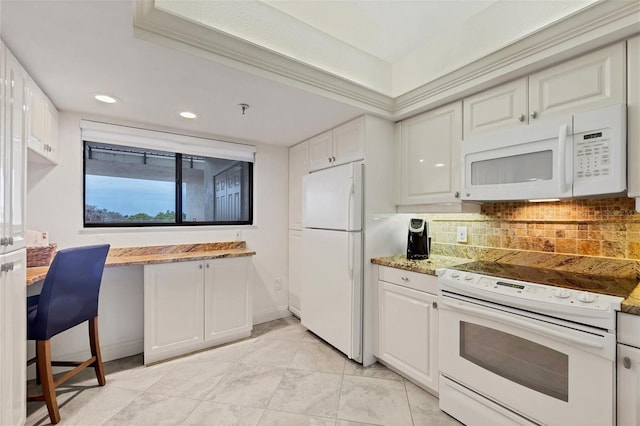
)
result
[(189, 306), (408, 325), (628, 365)]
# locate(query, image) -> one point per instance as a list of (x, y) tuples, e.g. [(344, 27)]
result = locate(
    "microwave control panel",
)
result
[(592, 153)]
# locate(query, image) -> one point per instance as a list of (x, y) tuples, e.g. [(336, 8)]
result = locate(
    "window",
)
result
[(135, 186)]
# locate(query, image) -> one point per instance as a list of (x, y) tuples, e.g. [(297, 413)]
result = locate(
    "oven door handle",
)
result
[(511, 320)]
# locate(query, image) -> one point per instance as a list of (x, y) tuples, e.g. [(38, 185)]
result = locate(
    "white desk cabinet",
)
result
[(408, 325), (628, 366), (341, 145), (227, 299), (591, 81), (189, 306)]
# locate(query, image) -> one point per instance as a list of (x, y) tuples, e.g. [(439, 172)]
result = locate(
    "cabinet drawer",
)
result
[(629, 329), (414, 280)]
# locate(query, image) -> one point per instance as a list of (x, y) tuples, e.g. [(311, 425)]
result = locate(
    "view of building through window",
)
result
[(129, 186)]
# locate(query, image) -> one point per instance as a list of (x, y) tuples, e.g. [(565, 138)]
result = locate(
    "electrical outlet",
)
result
[(238, 235), (461, 234), (278, 285)]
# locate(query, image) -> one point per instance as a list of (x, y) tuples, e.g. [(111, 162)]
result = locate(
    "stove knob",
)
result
[(468, 277), (586, 297), (562, 293)]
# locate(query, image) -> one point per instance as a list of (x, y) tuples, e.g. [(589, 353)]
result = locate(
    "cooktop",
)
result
[(613, 286)]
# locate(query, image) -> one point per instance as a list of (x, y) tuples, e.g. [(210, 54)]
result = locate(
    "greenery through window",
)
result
[(127, 186)]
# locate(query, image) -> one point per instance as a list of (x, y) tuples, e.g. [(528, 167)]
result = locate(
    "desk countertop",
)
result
[(147, 255)]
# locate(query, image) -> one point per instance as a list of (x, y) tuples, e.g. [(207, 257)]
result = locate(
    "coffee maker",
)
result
[(418, 239)]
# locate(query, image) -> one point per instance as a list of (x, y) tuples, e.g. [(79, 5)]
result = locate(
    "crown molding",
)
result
[(600, 24), (172, 31)]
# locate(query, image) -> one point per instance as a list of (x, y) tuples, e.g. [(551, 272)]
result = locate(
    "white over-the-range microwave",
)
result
[(580, 155)]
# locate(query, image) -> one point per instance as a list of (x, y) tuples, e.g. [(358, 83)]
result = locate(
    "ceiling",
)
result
[(74, 49)]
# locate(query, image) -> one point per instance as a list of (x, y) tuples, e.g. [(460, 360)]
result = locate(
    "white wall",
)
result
[(54, 204)]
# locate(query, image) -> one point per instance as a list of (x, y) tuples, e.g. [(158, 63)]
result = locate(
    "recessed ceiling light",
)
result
[(187, 114), (106, 99)]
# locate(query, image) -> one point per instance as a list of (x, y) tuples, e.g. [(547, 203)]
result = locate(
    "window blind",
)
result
[(94, 131)]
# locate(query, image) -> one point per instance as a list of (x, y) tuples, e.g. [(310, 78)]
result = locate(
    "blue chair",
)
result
[(69, 297)]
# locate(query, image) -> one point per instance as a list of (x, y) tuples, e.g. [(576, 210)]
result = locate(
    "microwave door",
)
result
[(520, 165)]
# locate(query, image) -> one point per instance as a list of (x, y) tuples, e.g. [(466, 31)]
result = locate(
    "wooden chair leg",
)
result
[(95, 350), (46, 376)]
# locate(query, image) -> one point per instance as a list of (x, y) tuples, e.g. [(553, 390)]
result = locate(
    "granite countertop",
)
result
[(624, 287), (147, 255), (427, 266)]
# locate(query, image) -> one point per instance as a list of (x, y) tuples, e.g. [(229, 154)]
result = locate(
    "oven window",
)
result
[(521, 168), (524, 362)]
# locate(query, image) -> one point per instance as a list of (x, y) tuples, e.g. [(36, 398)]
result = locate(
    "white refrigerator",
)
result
[(331, 294)]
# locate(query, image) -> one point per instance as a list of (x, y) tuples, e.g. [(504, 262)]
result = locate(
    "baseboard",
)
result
[(108, 352), (295, 311), (281, 312)]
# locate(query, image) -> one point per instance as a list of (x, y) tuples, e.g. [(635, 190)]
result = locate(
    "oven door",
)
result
[(520, 164), (543, 370)]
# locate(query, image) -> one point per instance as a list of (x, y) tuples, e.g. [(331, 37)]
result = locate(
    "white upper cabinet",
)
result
[(502, 107), (42, 126), (633, 119), (428, 156), (341, 145), (588, 82), (12, 156), (298, 167)]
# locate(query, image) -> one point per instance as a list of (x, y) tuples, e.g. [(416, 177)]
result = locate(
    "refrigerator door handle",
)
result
[(350, 254), (349, 198)]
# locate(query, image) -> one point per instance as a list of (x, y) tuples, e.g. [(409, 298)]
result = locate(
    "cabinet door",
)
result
[(42, 126), (591, 81), (13, 338), (227, 299), (14, 154), (633, 117), (502, 107), (429, 156), (298, 167), (173, 309), (348, 142), (321, 151), (628, 385), (408, 332), (295, 271)]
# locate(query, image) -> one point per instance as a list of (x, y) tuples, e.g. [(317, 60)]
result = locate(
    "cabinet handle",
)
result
[(435, 305), (521, 117), (457, 194), (533, 114), (329, 159), (4, 241), (405, 279), (207, 265), (10, 242), (626, 361), (200, 266), (6, 267), (333, 159)]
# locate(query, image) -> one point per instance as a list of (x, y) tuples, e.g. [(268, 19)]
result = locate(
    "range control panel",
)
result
[(504, 290)]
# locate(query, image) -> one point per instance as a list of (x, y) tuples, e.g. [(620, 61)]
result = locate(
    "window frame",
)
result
[(178, 199)]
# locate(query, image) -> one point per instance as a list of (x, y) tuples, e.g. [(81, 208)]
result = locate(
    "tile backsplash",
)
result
[(602, 227)]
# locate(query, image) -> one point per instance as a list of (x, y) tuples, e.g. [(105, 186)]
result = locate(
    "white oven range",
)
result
[(518, 352)]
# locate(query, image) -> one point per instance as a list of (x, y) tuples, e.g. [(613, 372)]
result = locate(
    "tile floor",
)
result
[(282, 375)]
